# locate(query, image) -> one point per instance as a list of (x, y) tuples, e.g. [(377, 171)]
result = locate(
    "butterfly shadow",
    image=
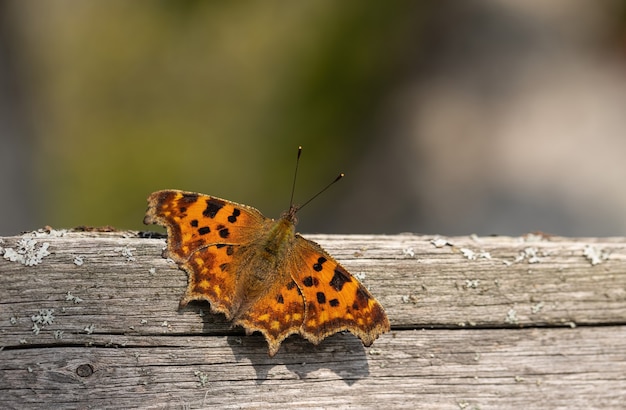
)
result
[(342, 354)]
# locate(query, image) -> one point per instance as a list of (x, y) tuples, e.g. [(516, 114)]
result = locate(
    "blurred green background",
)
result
[(447, 117)]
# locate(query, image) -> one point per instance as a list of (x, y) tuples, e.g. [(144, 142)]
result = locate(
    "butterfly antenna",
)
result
[(324, 189), (295, 175)]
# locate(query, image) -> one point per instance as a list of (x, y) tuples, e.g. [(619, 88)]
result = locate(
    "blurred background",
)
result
[(448, 117)]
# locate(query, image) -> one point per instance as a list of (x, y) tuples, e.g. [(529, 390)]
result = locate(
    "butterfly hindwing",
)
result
[(277, 314), (211, 278)]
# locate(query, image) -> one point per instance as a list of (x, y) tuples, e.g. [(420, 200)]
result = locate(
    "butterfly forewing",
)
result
[(204, 233), (194, 221), (334, 299)]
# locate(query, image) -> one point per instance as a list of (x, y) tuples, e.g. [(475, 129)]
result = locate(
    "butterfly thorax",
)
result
[(261, 262), (279, 237)]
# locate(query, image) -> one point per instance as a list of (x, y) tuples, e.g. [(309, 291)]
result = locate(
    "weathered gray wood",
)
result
[(476, 323), (489, 368)]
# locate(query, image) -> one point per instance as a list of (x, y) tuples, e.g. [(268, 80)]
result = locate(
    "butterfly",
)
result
[(260, 273)]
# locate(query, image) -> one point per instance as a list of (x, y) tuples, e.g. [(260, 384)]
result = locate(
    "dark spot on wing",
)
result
[(213, 206), (233, 218), (339, 279), (224, 233), (362, 296), (187, 199), (318, 265)]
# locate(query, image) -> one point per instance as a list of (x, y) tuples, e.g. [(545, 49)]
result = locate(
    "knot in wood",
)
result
[(84, 370)]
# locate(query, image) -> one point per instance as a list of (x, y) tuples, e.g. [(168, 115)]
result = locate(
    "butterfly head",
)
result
[(290, 215)]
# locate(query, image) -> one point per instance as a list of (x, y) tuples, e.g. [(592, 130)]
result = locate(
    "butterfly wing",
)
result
[(203, 235), (334, 299), (276, 315), (194, 221), (315, 297)]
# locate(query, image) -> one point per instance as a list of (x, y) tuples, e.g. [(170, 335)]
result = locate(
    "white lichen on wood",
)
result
[(71, 298), (41, 319), (126, 252), (594, 255), (27, 252)]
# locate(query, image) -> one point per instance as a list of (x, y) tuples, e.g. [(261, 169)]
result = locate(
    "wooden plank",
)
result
[(419, 284), (110, 301), (441, 368)]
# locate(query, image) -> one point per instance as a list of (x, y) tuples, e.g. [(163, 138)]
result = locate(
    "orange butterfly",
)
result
[(260, 273)]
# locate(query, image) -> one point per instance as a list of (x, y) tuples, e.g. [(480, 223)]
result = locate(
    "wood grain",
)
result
[(489, 322)]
